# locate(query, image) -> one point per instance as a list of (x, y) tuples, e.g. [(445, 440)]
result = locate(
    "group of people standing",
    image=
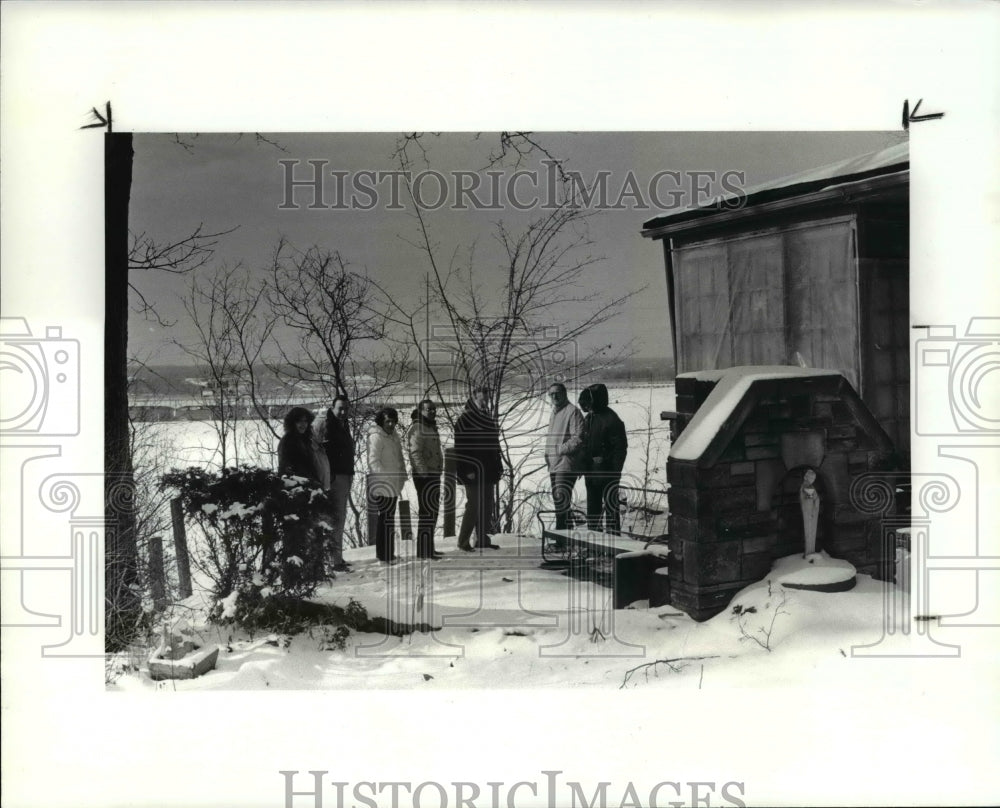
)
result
[(478, 466), (588, 441), (327, 456)]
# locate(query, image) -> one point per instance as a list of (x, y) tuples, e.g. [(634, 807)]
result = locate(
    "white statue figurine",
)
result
[(809, 500)]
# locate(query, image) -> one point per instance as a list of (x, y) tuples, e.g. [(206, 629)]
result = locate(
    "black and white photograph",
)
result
[(349, 354), (594, 440)]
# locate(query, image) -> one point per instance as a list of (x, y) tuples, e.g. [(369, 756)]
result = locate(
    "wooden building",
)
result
[(810, 270)]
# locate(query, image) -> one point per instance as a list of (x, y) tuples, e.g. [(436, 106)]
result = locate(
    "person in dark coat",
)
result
[(479, 467), (295, 449), (605, 447), (340, 450)]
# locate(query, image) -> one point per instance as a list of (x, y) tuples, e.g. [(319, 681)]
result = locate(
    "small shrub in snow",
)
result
[(263, 535), (760, 634), (355, 614), (227, 605), (334, 638), (286, 616)]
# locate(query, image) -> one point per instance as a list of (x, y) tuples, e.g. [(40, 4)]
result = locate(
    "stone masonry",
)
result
[(735, 509)]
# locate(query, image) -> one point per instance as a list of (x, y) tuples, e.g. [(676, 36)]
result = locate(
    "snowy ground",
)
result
[(503, 622)]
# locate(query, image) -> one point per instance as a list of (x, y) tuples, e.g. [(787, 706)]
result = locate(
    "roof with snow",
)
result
[(887, 166), (715, 415)]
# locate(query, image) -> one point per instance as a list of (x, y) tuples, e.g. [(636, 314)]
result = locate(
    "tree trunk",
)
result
[(122, 596)]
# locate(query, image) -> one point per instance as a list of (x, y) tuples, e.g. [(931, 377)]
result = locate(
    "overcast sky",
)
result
[(227, 181)]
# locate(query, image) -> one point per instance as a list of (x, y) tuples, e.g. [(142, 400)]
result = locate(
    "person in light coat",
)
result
[(423, 444), (386, 478), (562, 451)]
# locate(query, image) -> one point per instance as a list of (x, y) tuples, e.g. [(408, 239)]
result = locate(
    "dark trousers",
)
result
[(382, 525), (562, 496), (602, 497), (429, 501), (479, 496)]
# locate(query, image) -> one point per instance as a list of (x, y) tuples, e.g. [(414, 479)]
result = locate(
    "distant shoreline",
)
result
[(186, 407), (164, 379)]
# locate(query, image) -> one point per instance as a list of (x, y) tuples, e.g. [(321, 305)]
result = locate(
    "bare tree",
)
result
[(508, 336), (231, 329), (123, 606), (124, 253), (151, 450), (137, 511), (180, 257), (336, 322), (335, 338), (311, 327)]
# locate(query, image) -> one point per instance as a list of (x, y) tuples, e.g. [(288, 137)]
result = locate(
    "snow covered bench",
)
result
[(561, 547), (636, 559)]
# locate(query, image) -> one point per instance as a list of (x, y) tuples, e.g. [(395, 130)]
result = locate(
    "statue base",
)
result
[(816, 572)]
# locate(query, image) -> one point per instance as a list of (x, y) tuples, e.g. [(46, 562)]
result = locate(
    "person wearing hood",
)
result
[(605, 445), (386, 478), (479, 467), (339, 448), (297, 455), (562, 451), (423, 444)]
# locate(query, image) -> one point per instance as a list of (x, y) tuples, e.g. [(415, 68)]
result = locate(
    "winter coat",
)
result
[(339, 444), (321, 461), (423, 444), (296, 457), (564, 438), (604, 435), (477, 445), (386, 467)]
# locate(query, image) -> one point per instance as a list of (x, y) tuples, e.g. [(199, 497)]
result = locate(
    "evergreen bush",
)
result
[(263, 536)]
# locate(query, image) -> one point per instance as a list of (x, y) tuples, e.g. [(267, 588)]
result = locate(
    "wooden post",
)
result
[(405, 523), (659, 588), (370, 508), (448, 491), (181, 548), (632, 577), (157, 581)]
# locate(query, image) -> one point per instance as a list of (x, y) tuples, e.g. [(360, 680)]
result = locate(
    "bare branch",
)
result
[(178, 257), (146, 309), (651, 667), (503, 325)]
